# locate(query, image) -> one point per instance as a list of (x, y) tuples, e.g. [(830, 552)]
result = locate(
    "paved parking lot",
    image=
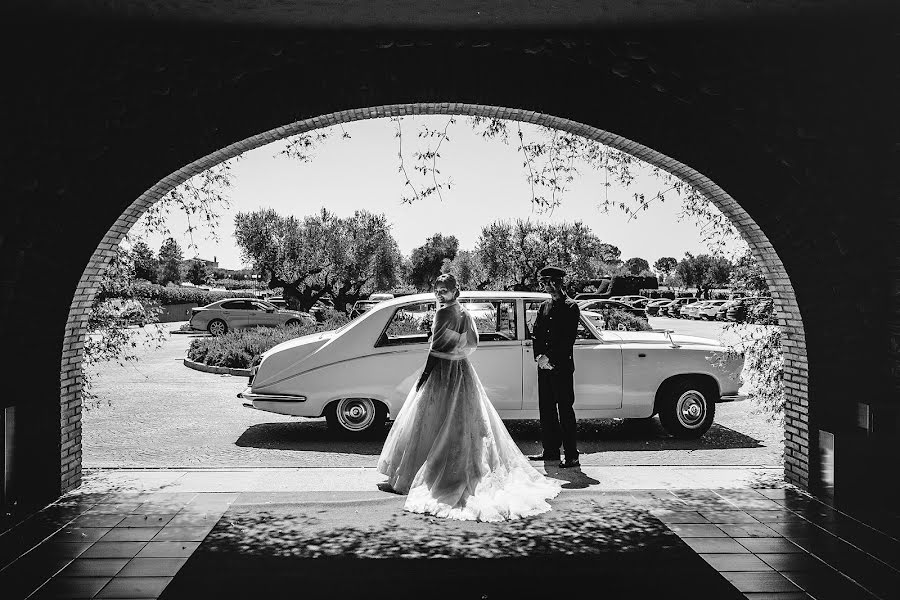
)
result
[(162, 414)]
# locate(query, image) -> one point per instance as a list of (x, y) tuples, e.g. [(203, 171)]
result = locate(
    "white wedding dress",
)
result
[(449, 450)]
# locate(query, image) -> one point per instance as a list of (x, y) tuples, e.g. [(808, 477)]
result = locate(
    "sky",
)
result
[(488, 183)]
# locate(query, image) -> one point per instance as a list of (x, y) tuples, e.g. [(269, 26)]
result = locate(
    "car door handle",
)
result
[(642, 355), (527, 343)]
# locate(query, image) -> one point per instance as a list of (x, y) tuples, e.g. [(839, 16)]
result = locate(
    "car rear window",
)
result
[(410, 324)]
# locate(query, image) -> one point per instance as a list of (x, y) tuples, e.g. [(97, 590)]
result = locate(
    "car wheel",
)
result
[(356, 417), (217, 327), (687, 408), (293, 323)]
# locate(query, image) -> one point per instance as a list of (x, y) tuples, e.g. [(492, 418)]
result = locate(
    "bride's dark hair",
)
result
[(448, 280)]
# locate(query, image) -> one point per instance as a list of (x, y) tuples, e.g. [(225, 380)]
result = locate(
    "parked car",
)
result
[(360, 375), (653, 307), (276, 301), (673, 308), (689, 311), (632, 299), (740, 308), (603, 305), (722, 310), (708, 310), (239, 313), (361, 306)]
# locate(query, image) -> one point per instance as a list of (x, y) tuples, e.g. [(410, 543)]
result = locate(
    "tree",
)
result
[(512, 253), (703, 272), (665, 265), (320, 255), (170, 257), (197, 273), (112, 319), (468, 270), (115, 311), (145, 264), (747, 276), (427, 259), (636, 266)]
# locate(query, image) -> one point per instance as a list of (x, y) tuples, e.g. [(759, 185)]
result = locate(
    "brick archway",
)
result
[(797, 448)]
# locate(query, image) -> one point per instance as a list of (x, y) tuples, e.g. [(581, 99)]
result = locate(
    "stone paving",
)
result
[(127, 533)]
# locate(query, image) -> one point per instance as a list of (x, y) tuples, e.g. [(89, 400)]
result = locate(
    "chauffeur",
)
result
[(555, 330)]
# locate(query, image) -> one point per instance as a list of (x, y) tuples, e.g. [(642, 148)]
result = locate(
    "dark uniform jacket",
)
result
[(555, 330)]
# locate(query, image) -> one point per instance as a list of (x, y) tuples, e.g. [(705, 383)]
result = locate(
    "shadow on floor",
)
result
[(594, 435), (339, 551)]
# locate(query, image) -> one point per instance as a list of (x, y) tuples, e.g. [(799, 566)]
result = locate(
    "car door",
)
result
[(498, 360), (234, 312), (403, 347), (598, 367), (257, 315)]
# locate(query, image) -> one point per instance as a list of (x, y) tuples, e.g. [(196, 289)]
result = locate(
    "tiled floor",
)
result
[(768, 542)]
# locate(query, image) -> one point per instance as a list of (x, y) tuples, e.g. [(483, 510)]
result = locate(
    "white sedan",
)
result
[(359, 375)]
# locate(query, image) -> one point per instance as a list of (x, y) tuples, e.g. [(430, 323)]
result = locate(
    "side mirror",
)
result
[(270, 310)]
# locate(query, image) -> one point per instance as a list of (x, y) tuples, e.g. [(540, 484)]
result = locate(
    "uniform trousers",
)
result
[(556, 400)]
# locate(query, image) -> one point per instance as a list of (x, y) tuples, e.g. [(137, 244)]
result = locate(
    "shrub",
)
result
[(614, 317), (241, 348), (165, 296)]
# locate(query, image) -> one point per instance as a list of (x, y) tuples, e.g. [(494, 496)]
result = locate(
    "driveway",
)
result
[(158, 413)]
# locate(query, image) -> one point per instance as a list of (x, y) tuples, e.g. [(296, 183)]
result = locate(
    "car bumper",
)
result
[(251, 397)]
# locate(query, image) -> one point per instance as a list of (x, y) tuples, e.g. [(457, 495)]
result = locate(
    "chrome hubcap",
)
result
[(355, 414), (691, 409), (217, 328)]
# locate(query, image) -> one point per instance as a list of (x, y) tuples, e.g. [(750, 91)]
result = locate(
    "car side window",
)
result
[(410, 324), (583, 333), (495, 319), (236, 305), (531, 311)]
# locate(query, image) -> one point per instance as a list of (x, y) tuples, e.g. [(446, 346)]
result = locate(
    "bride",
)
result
[(448, 449)]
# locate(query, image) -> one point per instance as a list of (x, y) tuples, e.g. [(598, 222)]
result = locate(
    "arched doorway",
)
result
[(796, 466)]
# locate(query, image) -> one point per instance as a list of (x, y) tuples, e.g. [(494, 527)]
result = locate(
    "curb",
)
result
[(217, 370)]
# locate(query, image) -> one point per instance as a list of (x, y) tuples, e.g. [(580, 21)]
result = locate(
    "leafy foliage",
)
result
[(615, 319), (703, 271), (170, 257), (665, 264), (197, 273), (320, 255), (145, 264), (512, 253), (117, 323), (636, 266), (241, 348), (426, 260)]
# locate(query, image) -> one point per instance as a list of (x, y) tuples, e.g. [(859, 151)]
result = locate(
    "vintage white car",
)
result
[(359, 375)]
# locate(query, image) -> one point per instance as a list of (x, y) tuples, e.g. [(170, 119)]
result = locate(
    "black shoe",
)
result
[(542, 457), (568, 464)]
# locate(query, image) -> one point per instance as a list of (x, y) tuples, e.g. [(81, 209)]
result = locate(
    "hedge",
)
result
[(168, 295), (241, 348)]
